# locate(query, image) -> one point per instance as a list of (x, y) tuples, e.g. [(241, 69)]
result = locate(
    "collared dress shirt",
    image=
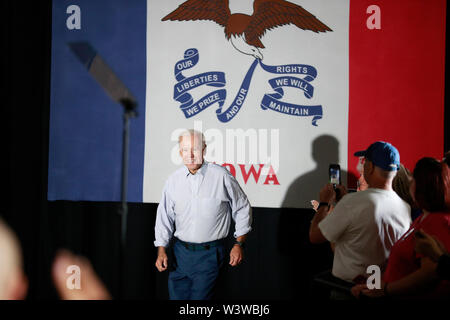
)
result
[(197, 207)]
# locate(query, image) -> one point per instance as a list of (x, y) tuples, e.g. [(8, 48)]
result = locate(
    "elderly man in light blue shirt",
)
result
[(197, 205)]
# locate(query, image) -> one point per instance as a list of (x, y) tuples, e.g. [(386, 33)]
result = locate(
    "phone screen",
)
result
[(335, 175)]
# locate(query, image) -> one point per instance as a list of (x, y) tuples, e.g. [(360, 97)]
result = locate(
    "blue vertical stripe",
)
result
[(85, 124)]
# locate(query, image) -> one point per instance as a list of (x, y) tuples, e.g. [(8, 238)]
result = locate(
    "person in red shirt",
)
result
[(409, 274)]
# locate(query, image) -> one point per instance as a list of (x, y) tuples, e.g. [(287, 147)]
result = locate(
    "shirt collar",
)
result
[(201, 171)]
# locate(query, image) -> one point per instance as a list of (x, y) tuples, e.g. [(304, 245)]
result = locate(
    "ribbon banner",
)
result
[(272, 101), (269, 101), (238, 101), (213, 79)]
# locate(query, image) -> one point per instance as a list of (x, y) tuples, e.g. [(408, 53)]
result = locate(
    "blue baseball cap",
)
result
[(383, 155)]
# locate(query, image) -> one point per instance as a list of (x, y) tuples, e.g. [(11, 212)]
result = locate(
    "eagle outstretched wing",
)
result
[(214, 10), (268, 14)]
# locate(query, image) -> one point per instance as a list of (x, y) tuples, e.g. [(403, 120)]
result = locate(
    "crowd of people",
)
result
[(396, 221)]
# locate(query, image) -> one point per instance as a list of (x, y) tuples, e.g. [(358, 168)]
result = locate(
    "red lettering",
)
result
[(271, 177), (252, 171)]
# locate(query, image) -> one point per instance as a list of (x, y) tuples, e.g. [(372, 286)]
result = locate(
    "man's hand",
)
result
[(327, 194), (315, 204), (161, 260), (236, 255), (342, 192), (428, 245), (361, 289)]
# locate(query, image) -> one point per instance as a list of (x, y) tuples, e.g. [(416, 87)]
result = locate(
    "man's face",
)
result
[(191, 150), (360, 165)]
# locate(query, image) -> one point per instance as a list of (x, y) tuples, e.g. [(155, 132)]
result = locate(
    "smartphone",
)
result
[(334, 174)]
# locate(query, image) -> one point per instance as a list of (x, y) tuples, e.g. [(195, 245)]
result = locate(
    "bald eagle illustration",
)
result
[(245, 31)]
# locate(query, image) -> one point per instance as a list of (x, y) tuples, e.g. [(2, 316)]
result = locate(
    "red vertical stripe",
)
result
[(397, 78)]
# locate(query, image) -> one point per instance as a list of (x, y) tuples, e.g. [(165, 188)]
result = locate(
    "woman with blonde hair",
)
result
[(401, 185)]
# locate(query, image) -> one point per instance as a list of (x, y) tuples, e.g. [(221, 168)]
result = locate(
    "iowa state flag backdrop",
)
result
[(281, 89)]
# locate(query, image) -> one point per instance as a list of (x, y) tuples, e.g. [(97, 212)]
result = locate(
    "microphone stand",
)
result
[(129, 112), (105, 76)]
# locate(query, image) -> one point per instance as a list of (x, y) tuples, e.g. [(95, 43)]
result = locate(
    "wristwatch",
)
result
[(240, 243), (323, 204)]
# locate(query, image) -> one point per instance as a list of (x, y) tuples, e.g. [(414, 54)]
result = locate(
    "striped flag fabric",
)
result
[(280, 89)]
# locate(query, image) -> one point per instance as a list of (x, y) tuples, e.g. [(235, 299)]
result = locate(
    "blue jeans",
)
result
[(196, 272)]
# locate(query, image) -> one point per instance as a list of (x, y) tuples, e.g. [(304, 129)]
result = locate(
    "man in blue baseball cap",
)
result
[(383, 155), (363, 225)]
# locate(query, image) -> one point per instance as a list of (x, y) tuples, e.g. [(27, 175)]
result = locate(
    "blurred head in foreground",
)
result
[(13, 282)]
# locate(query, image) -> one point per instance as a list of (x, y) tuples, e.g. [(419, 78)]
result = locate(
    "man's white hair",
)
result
[(195, 133)]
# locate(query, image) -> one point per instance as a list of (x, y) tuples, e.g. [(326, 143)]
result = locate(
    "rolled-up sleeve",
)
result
[(165, 219), (241, 210)]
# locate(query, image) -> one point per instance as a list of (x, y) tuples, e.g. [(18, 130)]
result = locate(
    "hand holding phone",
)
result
[(334, 173)]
